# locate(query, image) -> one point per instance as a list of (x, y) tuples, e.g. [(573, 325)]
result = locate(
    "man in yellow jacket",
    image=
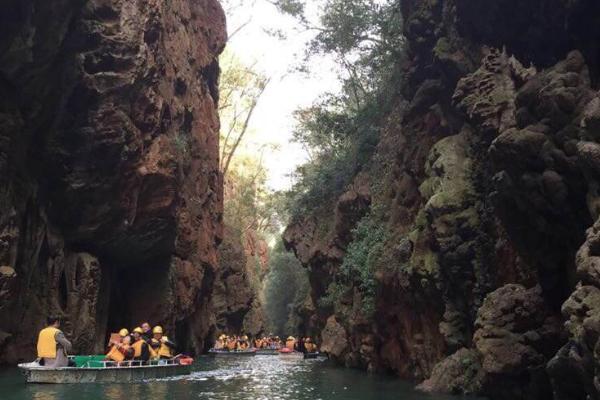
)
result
[(161, 344), (52, 346)]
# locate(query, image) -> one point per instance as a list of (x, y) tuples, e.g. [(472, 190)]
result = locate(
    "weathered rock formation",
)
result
[(110, 194), (236, 296), (488, 172)]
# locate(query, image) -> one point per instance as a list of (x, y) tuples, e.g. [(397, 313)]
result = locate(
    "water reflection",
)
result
[(45, 395), (147, 390), (247, 378)]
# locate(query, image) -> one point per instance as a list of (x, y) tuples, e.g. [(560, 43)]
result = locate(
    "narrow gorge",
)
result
[(441, 226)]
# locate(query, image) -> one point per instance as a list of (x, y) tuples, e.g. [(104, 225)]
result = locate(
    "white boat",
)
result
[(96, 371)]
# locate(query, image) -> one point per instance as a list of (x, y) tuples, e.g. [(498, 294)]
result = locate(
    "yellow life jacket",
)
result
[(137, 348), (115, 355), (290, 344), (46, 345), (153, 353), (164, 350)]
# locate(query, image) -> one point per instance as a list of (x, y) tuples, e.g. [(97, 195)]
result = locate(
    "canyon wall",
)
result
[(110, 193), (237, 296), (486, 176)]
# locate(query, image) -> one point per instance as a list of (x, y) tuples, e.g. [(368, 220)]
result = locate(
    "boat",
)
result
[(288, 353), (232, 353), (94, 369), (267, 352)]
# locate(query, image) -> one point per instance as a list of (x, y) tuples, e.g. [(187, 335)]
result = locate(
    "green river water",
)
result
[(250, 378)]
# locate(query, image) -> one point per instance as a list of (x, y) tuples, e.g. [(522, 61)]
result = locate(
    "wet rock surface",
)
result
[(110, 196)]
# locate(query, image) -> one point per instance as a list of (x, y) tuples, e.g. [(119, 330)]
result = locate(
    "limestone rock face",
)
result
[(111, 196), (334, 338), (236, 295), (488, 174), (516, 334)]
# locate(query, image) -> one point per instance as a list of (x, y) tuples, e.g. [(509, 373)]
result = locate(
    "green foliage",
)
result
[(182, 152), (340, 140), (361, 261), (335, 291), (286, 288), (340, 132), (292, 7), (240, 88), (182, 145), (249, 204)]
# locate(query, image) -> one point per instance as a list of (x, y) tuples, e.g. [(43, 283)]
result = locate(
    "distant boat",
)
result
[(232, 353), (311, 356), (285, 352), (94, 369), (267, 352)]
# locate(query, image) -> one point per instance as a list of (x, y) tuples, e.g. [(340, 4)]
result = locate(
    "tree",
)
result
[(286, 288), (241, 89), (249, 204), (340, 132)]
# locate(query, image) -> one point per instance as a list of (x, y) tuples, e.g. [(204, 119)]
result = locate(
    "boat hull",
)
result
[(232, 353), (267, 352), (292, 354), (37, 374)]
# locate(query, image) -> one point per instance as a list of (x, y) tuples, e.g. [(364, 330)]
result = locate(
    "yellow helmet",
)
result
[(157, 329), (138, 330), (123, 332), (245, 337)]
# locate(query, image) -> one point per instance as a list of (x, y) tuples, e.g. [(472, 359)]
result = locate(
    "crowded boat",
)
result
[(271, 344), (143, 343)]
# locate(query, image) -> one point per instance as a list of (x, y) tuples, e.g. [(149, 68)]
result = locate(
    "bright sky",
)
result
[(272, 121)]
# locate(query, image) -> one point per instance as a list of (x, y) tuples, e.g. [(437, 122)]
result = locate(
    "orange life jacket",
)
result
[(115, 354)]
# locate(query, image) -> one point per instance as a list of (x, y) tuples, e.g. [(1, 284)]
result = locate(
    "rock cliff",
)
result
[(237, 295), (487, 175), (110, 194)]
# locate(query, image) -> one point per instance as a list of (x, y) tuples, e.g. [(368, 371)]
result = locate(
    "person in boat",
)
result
[(276, 343), (147, 332), (231, 343), (299, 345), (161, 344), (52, 345), (243, 343), (121, 350), (309, 345), (141, 350), (220, 342), (290, 343)]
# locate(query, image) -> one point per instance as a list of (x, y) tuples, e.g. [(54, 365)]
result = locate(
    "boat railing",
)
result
[(129, 363)]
